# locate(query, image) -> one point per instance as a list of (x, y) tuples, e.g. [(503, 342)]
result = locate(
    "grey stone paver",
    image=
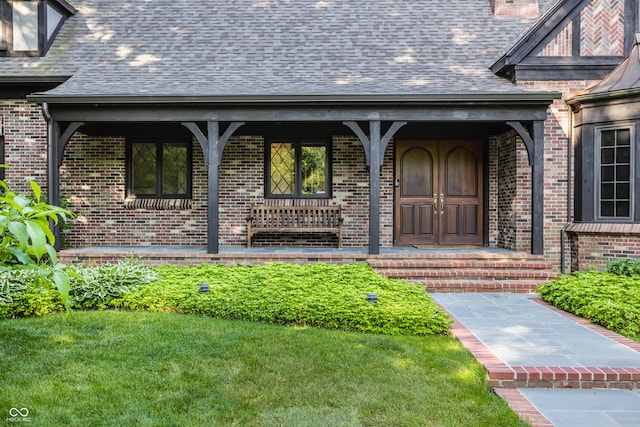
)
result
[(523, 333), (596, 407)]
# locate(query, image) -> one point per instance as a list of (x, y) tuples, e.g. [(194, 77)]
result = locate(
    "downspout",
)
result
[(563, 231), (51, 164)]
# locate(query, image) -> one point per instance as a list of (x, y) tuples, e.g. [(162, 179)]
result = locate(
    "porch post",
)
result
[(56, 143), (537, 189), (212, 145), (534, 144), (374, 147)]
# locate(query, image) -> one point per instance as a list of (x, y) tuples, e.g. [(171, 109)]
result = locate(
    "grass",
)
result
[(163, 369)]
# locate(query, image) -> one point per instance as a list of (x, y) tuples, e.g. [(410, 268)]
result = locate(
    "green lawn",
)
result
[(162, 369)]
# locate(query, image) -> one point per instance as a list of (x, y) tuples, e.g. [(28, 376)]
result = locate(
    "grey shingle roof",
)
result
[(276, 47)]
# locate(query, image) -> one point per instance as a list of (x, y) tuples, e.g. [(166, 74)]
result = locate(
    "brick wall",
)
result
[(510, 193), (93, 182), (594, 245), (25, 137), (558, 158)]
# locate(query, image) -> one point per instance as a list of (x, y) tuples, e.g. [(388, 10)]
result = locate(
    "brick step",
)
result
[(473, 285), (459, 264), (495, 274), (563, 377)]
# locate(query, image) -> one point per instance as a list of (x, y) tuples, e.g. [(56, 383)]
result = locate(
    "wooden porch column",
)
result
[(374, 148), (212, 145), (57, 140), (535, 148)]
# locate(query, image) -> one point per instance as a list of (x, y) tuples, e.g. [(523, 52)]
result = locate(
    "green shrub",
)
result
[(624, 267), (608, 299), (26, 240), (95, 287), (30, 294), (321, 295), (14, 283)]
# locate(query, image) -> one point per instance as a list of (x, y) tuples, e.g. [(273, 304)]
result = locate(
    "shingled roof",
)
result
[(276, 47)]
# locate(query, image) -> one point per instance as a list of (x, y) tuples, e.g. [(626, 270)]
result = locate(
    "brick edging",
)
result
[(523, 407)]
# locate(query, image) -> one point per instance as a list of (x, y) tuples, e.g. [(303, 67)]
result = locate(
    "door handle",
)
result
[(397, 182), (435, 204), (441, 204)]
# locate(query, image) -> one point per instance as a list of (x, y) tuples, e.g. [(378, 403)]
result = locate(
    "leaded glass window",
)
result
[(159, 170), (298, 169)]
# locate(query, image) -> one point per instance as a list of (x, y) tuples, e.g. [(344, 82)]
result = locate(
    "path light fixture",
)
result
[(372, 298), (204, 288)]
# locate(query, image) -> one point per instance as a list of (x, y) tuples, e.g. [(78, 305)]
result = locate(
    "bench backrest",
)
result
[(296, 216)]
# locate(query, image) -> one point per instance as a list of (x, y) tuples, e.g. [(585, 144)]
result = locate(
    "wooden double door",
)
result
[(438, 197)]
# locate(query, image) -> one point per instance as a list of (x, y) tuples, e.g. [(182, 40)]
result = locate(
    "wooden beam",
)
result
[(537, 190), (213, 146), (439, 113), (374, 146), (523, 133)]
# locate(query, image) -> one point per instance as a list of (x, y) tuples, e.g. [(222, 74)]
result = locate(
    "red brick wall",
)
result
[(510, 193), (594, 245)]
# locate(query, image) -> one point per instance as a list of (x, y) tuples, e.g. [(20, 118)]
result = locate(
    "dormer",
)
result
[(28, 27)]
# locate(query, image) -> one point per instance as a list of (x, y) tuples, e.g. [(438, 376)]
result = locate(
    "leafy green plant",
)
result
[(321, 295), (608, 299), (14, 283), (27, 240), (28, 293), (626, 267), (96, 286)]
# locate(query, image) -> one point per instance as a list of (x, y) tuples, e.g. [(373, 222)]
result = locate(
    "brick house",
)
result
[(431, 123)]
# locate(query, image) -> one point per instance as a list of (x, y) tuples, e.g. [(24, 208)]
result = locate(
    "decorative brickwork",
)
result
[(602, 28), (561, 45), (601, 32)]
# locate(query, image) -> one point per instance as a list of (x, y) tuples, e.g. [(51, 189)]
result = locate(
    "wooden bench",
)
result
[(295, 219)]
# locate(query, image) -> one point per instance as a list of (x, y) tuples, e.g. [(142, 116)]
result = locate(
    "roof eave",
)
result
[(313, 99)]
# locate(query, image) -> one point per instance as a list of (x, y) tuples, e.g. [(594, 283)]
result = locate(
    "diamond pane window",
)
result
[(159, 170), (615, 180), (298, 169), (144, 169), (283, 159)]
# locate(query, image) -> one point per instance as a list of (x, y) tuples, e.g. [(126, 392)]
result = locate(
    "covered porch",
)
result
[(375, 122)]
